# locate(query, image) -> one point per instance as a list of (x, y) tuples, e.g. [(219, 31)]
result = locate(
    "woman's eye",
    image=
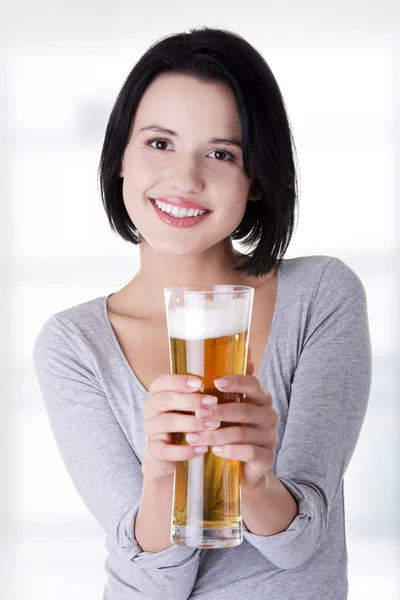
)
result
[(223, 156), (158, 144)]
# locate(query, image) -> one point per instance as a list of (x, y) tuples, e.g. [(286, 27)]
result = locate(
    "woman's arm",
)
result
[(268, 507), (102, 464), (328, 402), (153, 521)]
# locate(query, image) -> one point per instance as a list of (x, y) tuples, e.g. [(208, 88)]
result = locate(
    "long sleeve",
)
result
[(101, 463), (328, 402)]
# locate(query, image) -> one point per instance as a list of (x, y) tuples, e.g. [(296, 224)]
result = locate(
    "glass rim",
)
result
[(219, 288)]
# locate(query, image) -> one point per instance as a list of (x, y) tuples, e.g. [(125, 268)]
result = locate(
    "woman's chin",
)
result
[(173, 250), (174, 247)]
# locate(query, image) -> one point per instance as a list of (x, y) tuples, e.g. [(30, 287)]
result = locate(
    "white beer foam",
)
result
[(208, 319)]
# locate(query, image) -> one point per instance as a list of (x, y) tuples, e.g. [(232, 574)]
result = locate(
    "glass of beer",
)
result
[(208, 329)]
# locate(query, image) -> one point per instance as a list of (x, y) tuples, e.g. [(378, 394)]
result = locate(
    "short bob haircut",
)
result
[(217, 55)]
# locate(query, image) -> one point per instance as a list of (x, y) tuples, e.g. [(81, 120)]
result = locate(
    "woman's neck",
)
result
[(144, 294)]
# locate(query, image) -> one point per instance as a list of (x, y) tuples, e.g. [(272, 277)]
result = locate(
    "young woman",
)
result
[(200, 124)]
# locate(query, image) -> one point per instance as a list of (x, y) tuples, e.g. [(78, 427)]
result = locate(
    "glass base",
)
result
[(196, 537)]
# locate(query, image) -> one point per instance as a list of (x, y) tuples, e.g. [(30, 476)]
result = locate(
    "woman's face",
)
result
[(185, 164)]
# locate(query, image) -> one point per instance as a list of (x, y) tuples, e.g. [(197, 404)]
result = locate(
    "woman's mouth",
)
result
[(177, 216)]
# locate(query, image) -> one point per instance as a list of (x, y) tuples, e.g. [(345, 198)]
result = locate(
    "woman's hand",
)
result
[(252, 442), (170, 395)]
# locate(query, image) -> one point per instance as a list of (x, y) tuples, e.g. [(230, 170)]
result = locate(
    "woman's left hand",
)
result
[(253, 441)]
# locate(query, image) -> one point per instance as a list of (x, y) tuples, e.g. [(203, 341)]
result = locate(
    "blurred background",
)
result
[(61, 67)]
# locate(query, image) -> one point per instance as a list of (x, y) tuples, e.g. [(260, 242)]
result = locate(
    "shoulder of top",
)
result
[(315, 263), (86, 309), (322, 271), (82, 318)]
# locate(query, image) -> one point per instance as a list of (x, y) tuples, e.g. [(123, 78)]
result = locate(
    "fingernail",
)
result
[(201, 449), (212, 424), (194, 383), (192, 438), (202, 413), (209, 400), (221, 383), (217, 449)]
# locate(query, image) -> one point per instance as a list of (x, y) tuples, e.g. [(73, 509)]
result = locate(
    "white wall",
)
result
[(61, 67)]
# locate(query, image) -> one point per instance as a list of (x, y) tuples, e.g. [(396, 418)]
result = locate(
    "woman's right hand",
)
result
[(168, 396)]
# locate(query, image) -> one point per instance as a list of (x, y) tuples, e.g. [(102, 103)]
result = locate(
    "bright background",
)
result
[(61, 67)]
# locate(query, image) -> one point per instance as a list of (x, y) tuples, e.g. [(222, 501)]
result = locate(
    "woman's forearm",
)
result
[(153, 520), (269, 507)]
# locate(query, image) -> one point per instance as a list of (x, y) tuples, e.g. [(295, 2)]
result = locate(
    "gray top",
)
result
[(317, 366)]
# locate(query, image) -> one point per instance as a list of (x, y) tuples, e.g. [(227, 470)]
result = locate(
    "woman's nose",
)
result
[(187, 177)]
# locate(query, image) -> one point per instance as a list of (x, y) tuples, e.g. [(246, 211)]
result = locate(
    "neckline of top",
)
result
[(131, 372)]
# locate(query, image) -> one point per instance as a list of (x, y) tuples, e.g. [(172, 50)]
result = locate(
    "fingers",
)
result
[(174, 422), (245, 384), (241, 412), (164, 402), (172, 393), (173, 405), (173, 452), (259, 458), (176, 383), (235, 434)]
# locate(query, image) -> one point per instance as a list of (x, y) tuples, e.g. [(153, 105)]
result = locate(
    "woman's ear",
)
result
[(122, 170), (255, 192)]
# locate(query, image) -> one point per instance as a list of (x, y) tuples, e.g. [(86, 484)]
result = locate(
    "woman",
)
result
[(200, 124)]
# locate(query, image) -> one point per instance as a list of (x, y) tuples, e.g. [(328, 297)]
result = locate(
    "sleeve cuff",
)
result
[(174, 556)]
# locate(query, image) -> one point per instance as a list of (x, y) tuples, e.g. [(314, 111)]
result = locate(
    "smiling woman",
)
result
[(223, 139), (198, 153), (191, 165)]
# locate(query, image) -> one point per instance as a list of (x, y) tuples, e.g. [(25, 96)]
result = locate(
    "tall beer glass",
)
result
[(208, 329)]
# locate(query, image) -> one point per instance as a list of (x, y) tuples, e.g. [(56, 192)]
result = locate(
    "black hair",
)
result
[(268, 146)]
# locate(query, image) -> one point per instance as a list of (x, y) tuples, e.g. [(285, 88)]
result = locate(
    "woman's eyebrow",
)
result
[(159, 129)]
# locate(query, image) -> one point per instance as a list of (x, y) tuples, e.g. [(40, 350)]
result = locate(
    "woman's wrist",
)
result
[(270, 508), (153, 520)]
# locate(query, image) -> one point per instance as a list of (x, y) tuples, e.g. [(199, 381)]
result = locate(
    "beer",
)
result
[(208, 339)]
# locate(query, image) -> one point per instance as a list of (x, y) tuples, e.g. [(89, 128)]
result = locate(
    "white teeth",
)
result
[(179, 212)]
